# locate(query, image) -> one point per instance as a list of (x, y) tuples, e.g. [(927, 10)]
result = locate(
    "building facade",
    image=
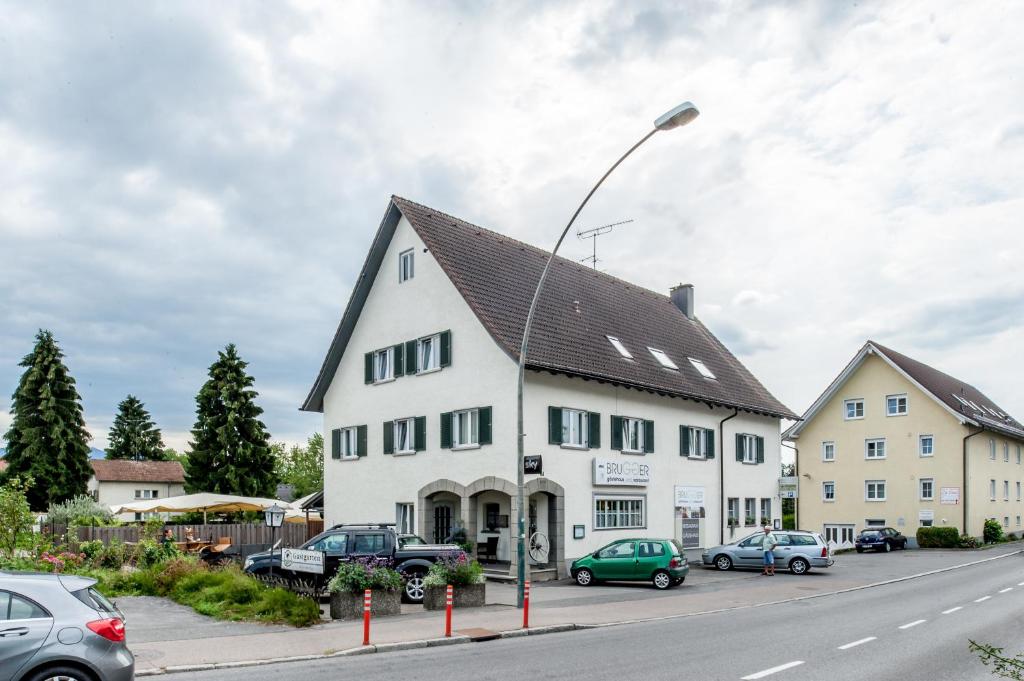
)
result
[(894, 442), (116, 482), (636, 417)]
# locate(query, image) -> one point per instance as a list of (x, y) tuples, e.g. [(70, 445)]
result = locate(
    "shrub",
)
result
[(968, 542), (114, 555), (938, 537), (91, 549), (456, 569), (993, 532), (15, 515), (80, 510), (366, 573)]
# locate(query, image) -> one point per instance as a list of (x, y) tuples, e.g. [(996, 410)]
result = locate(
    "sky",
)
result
[(178, 176)]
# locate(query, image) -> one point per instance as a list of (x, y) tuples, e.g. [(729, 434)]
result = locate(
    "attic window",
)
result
[(662, 358), (620, 347), (701, 367)]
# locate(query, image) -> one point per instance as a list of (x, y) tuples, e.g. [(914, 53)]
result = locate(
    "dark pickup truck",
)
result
[(341, 543)]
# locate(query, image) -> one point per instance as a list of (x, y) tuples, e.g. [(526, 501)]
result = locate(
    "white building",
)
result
[(640, 415), (119, 481)]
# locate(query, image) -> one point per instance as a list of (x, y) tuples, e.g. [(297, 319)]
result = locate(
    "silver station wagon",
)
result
[(798, 551)]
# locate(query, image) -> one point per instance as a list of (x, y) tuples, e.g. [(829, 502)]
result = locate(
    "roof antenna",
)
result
[(595, 232)]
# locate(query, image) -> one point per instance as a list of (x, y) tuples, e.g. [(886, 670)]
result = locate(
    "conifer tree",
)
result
[(134, 435), (47, 440), (230, 448)]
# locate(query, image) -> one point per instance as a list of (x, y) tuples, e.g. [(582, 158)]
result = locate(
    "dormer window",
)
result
[(662, 358), (701, 368), (405, 266), (617, 344)]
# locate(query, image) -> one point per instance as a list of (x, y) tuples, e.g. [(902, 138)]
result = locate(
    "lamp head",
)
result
[(677, 117), (274, 516)]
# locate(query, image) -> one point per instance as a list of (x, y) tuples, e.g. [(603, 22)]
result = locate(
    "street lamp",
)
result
[(674, 118), (273, 516)]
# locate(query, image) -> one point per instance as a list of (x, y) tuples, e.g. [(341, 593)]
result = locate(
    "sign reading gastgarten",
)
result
[(303, 561), (625, 473)]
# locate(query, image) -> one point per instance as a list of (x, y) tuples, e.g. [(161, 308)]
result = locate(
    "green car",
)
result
[(661, 561)]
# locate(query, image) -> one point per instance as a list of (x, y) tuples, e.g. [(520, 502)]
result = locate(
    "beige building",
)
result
[(893, 442), (120, 481)]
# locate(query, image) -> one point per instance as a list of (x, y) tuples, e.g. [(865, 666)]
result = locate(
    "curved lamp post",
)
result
[(675, 118), (274, 517)]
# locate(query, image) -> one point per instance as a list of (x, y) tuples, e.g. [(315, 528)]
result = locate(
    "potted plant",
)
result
[(465, 575), (347, 588), (766, 521), (749, 520)]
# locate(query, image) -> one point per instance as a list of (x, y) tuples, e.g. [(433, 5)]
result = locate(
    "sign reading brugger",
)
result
[(626, 473)]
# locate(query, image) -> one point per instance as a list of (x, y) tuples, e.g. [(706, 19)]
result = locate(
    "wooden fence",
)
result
[(290, 534)]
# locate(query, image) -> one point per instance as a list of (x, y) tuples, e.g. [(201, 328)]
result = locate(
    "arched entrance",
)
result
[(441, 510), (546, 510)]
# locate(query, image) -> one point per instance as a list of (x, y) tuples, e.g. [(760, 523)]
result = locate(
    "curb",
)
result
[(536, 631)]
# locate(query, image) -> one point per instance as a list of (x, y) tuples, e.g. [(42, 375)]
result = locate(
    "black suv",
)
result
[(345, 542)]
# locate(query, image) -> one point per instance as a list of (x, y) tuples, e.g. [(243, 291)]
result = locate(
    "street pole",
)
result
[(677, 117)]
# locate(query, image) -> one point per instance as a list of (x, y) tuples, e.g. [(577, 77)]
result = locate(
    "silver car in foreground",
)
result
[(59, 628), (798, 551)]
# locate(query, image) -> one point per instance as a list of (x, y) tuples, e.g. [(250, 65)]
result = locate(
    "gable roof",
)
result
[(578, 309), (964, 402), (123, 470)]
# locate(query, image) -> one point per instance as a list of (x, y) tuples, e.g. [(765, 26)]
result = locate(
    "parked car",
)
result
[(344, 542), (661, 561), (798, 551), (880, 539), (60, 627)]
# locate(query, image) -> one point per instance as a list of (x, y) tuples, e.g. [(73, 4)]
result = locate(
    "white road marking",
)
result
[(773, 670), (946, 612), (912, 624), (1009, 588), (983, 598), (869, 639)]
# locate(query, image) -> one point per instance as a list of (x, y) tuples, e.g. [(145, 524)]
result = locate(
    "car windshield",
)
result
[(870, 534)]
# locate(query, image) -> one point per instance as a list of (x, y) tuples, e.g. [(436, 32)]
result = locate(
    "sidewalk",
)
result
[(553, 603)]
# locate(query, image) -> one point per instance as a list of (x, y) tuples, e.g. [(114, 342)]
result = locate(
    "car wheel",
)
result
[(723, 562), (860, 550), (59, 674), (584, 577), (799, 566), (661, 580), (888, 547), (414, 587), (903, 545)]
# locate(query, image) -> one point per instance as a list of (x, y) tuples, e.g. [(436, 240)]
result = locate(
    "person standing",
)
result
[(768, 546)]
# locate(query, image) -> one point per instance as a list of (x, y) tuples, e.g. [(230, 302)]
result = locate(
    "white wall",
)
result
[(117, 493)]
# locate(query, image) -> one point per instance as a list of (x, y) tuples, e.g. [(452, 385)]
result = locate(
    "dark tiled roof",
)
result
[(121, 470), (578, 308), (944, 387)]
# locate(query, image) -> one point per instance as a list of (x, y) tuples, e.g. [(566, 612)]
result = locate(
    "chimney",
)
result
[(682, 297)]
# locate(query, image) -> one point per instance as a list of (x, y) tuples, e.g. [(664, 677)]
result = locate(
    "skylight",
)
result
[(663, 359), (701, 367), (620, 347)]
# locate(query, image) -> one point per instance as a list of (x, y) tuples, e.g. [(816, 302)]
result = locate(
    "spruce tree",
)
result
[(47, 440), (230, 447), (134, 435)]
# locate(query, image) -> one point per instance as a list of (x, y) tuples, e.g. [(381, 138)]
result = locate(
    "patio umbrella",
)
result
[(207, 502)]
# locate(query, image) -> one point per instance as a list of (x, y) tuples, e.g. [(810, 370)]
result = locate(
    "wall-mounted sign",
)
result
[(533, 465), (690, 501), (789, 488), (578, 531), (690, 535), (949, 495), (303, 561), (626, 473)]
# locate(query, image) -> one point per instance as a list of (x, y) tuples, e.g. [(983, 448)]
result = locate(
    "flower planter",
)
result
[(472, 596), (349, 606)]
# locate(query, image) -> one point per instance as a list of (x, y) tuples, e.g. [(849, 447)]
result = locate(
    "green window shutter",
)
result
[(410, 357), (336, 443), (446, 430), (649, 437), (368, 366), (594, 430), (554, 425), (760, 449), (446, 348), (389, 437), (399, 352), (684, 441), (361, 441), (616, 423), (710, 435), (419, 437), (739, 447), (485, 425)]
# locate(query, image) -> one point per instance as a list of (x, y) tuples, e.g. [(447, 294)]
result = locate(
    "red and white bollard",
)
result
[(526, 605), (448, 612), (367, 601)]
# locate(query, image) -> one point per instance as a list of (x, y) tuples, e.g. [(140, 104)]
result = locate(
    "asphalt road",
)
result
[(912, 630)]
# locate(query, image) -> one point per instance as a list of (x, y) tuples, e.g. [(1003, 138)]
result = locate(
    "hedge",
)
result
[(938, 537)]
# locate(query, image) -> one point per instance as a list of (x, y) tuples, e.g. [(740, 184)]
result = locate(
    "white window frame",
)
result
[(702, 368), (389, 365), (147, 494), (428, 357), (733, 509), (617, 344), (750, 504), (406, 273), (877, 484), (897, 397), (663, 358), (749, 448), (628, 424), (1006, 452), (992, 489), (826, 487), (620, 512), (1018, 490), (766, 505), (1018, 520), (931, 445), (411, 433), (874, 441), (853, 402), (921, 489), (349, 443), (575, 422), (698, 441), (991, 449), (1006, 521), (828, 447), (1018, 455), (405, 517), (1006, 490), (467, 420)]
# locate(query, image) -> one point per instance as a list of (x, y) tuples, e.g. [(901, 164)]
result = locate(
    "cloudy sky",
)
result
[(177, 176)]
